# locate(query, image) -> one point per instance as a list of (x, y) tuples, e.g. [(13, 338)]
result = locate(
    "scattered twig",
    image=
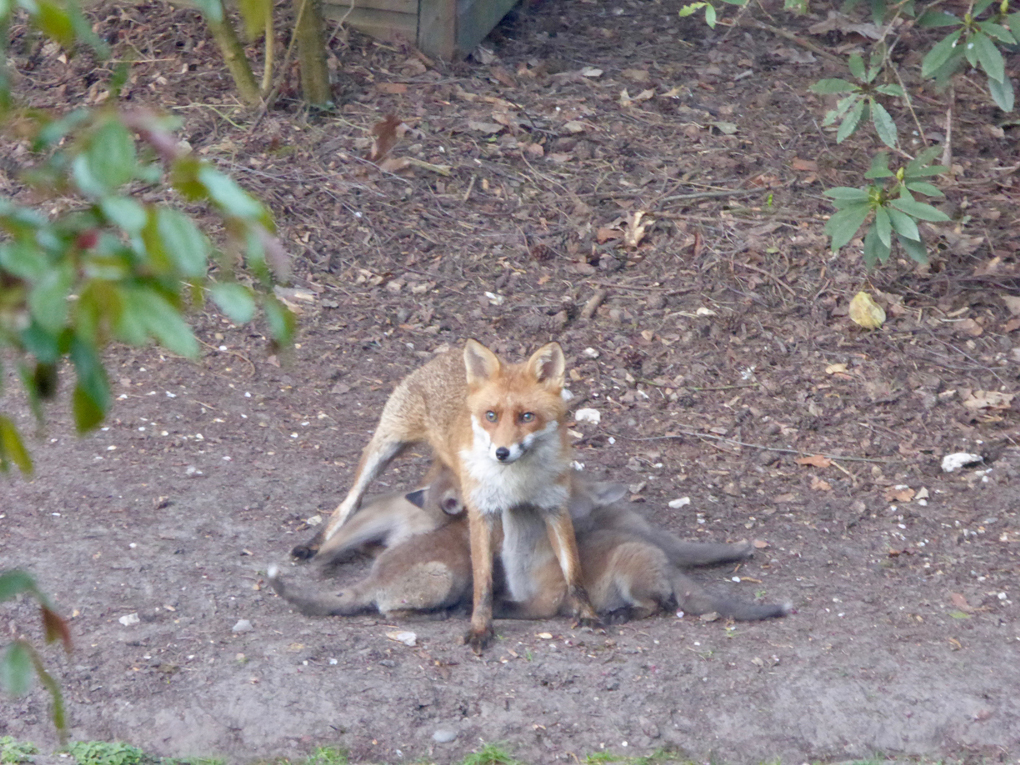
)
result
[(593, 303), (807, 44)]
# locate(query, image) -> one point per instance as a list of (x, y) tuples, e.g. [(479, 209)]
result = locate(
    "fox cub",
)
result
[(425, 568), (630, 566), (501, 429)]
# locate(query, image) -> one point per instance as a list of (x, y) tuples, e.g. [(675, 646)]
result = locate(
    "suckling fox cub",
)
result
[(630, 567), (425, 568), (501, 429)]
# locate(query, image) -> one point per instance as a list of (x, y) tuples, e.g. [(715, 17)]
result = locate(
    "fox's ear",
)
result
[(480, 363), (547, 365), (416, 498)]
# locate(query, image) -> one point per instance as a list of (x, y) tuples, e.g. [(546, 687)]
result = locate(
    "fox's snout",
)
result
[(502, 454)]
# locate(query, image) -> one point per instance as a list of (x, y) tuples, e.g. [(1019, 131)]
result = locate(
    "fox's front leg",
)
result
[(482, 528), (381, 450), (561, 536)]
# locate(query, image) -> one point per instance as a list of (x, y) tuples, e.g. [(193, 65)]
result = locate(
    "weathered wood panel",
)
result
[(437, 27), (476, 18), (444, 28), (384, 24)]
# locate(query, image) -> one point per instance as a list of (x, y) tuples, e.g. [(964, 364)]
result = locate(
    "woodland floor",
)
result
[(724, 355)]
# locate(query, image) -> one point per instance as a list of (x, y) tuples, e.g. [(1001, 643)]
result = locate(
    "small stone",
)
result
[(129, 619), (243, 625), (444, 736), (676, 504), (953, 462)]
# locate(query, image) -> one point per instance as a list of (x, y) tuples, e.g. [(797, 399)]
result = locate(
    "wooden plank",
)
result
[(437, 27), (337, 8), (476, 18), (384, 25)]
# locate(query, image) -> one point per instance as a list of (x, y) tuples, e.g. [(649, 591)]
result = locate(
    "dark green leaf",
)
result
[(234, 300), (92, 393), (14, 583), (125, 213), (844, 224), (130, 323), (1002, 93), (997, 32), (874, 249), (989, 57), (847, 194), (981, 6), (16, 668), (850, 122), (927, 189), (87, 413), (180, 240), (879, 167), (915, 249), (12, 446), (23, 260), (832, 85), (47, 301), (919, 210), (164, 322), (281, 320), (55, 131), (54, 22), (891, 90), (111, 155), (883, 227), (933, 18), (856, 65), (940, 54), (230, 197), (884, 124), (904, 225), (40, 343)]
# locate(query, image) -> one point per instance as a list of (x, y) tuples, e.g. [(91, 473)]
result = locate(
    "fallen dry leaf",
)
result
[(804, 165), (960, 602), (988, 399), (970, 327), (899, 494), (819, 485), (815, 460), (760, 544), (865, 312), (1012, 303), (834, 368), (385, 133), (391, 88)]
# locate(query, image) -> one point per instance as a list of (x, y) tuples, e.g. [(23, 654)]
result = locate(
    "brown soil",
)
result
[(725, 356)]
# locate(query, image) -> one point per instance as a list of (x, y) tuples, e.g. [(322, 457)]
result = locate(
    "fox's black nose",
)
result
[(502, 453)]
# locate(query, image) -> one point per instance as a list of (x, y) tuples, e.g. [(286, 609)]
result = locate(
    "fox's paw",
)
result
[(479, 640), (592, 622)]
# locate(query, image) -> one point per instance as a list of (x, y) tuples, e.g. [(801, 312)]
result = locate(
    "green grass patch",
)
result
[(13, 752), (491, 754)]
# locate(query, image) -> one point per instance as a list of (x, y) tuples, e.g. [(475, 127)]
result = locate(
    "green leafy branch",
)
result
[(860, 101), (891, 207), (20, 660), (975, 42)]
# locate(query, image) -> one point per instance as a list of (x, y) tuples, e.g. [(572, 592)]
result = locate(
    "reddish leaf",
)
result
[(56, 628)]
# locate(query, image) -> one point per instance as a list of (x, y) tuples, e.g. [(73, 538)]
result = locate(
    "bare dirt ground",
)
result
[(724, 356)]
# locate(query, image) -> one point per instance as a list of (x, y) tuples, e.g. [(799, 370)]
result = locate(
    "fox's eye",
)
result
[(527, 417), (491, 416)]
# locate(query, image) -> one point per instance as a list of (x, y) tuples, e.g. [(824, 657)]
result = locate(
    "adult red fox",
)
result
[(501, 429)]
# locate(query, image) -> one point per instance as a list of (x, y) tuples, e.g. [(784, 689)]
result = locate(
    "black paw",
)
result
[(479, 640)]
